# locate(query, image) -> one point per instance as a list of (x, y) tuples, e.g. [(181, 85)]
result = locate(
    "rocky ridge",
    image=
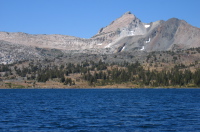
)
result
[(125, 34)]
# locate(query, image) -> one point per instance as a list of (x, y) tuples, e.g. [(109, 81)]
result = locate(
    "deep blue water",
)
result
[(100, 110)]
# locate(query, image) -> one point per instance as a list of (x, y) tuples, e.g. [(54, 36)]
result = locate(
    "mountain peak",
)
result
[(128, 12), (122, 22)]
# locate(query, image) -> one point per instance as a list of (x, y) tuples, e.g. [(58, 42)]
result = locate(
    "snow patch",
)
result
[(108, 46), (148, 40), (123, 48), (99, 44), (131, 33), (147, 26), (142, 48)]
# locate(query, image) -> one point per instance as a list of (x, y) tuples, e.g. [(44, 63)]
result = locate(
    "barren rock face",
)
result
[(126, 33), (48, 41), (128, 23), (174, 33)]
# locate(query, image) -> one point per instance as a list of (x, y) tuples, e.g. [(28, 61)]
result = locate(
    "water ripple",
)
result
[(100, 110)]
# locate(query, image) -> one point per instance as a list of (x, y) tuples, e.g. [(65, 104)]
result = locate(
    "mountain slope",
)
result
[(174, 34), (126, 33)]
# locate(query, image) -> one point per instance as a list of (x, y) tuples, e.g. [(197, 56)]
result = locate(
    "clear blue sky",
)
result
[(83, 18)]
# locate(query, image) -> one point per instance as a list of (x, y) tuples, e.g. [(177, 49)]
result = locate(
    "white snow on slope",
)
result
[(123, 48), (131, 33), (148, 40), (108, 46), (142, 48), (147, 26)]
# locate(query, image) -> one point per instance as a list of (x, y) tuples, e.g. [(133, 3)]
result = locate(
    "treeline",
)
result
[(101, 73), (64, 71), (43, 73), (136, 74)]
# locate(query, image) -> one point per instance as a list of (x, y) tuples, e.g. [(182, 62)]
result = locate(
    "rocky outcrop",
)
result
[(10, 53)]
